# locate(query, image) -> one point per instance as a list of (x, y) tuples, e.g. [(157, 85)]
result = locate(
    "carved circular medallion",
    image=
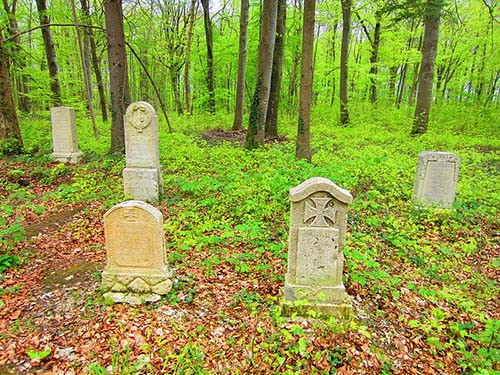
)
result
[(140, 116)]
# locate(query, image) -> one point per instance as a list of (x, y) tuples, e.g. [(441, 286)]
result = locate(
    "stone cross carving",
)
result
[(136, 269), (320, 212), (318, 216), (142, 174), (436, 179)]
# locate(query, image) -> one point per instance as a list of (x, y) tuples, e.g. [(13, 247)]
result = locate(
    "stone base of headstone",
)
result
[(143, 184), (67, 157), (327, 300), (136, 288)]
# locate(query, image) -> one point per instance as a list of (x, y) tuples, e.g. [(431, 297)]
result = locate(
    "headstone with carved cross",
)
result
[(142, 174), (136, 268), (318, 217)]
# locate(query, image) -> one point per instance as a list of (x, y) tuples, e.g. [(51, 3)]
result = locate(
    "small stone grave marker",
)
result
[(436, 179), (64, 139), (136, 268), (142, 174), (318, 216)]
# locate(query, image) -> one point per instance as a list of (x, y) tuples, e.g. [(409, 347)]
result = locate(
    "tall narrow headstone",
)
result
[(142, 175), (318, 216), (64, 139), (136, 268), (436, 179)]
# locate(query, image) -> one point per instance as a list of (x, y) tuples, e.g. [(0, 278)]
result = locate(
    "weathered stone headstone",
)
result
[(64, 139), (136, 268), (436, 179), (318, 216), (142, 175)]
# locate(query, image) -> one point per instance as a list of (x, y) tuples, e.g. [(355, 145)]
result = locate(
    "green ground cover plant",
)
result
[(424, 282)]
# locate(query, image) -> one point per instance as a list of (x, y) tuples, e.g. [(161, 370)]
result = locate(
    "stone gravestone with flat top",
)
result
[(436, 179), (136, 268), (142, 174), (64, 140), (318, 217)]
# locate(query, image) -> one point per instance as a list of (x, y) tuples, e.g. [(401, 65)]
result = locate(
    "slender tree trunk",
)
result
[(344, 59), (86, 72), (20, 57), (258, 111), (118, 75), (187, 62), (293, 80), (242, 64), (50, 53), (210, 56), (96, 64), (271, 129), (374, 62), (9, 126), (424, 97), (174, 79), (303, 147)]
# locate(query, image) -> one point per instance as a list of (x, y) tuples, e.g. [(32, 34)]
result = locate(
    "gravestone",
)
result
[(436, 179), (136, 268), (142, 174), (64, 140), (318, 216)]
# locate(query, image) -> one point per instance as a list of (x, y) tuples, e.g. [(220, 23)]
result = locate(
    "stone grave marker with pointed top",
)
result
[(318, 216), (136, 268)]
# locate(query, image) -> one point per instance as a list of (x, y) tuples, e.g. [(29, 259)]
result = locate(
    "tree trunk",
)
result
[(303, 147), (429, 52), (271, 129), (242, 64), (293, 80), (187, 63), (174, 80), (50, 53), (9, 126), (210, 56), (118, 76), (86, 71), (20, 57), (373, 63), (344, 58), (258, 111), (96, 65)]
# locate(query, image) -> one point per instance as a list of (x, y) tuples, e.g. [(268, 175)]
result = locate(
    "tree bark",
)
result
[(242, 64), (429, 52), (118, 75), (95, 61), (344, 58), (258, 111), (187, 63), (271, 129), (373, 63), (50, 53), (9, 126), (210, 56), (86, 71), (303, 147), (20, 58)]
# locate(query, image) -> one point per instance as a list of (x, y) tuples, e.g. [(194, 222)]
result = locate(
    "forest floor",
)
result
[(223, 315)]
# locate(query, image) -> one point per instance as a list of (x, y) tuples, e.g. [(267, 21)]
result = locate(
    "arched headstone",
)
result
[(136, 268), (318, 216)]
